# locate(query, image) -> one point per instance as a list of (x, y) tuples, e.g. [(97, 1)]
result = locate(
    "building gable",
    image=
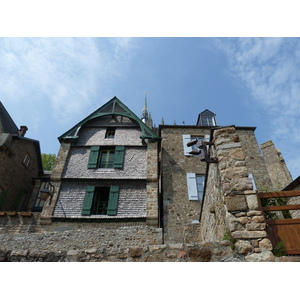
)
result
[(112, 107)]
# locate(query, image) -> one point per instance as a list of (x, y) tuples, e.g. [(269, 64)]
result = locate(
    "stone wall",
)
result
[(152, 185), (231, 206), (24, 239), (279, 173), (178, 210)]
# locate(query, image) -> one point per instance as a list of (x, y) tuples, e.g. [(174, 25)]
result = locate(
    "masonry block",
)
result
[(236, 203)]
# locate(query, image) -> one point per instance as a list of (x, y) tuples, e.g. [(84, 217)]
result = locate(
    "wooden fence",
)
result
[(282, 229)]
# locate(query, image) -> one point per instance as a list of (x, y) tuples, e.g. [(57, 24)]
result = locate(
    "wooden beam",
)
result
[(283, 221), (279, 194), (281, 207)]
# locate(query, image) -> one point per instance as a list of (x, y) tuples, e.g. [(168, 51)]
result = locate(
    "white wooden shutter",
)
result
[(192, 186), (186, 138)]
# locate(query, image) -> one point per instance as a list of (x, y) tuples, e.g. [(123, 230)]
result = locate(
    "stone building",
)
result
[(20, 163), (124, 190), (106, 170), (182, 175)]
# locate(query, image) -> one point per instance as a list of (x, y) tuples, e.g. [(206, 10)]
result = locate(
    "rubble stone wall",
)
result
[(231, 206), (279, 173), (178, 210)]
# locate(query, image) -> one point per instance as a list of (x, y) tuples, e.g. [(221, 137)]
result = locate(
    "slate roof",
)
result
[(7, 125)]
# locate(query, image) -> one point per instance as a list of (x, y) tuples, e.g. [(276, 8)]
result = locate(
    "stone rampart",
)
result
[(24, 239)]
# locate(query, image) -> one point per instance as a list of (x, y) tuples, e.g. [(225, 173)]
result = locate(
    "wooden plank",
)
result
[(289, 233), (283, 221), (279, 194), (281, 207), (292, 251)]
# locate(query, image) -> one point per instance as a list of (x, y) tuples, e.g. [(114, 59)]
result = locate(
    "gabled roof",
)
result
[(7, 125), (112, 107), (205, 113)]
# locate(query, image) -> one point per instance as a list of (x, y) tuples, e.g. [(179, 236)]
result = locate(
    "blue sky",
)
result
[(50, 84)]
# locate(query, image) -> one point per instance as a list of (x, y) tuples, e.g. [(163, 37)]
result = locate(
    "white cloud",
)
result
[(269, 69), (63, 73)]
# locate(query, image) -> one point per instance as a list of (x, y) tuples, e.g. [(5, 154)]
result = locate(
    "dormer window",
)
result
[(110, 133), (208, 121), (207, 118)]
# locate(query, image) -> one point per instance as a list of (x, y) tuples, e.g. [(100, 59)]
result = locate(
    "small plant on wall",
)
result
[(228, 237), (278, 249)]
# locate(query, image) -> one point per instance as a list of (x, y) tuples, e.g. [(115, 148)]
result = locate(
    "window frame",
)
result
[(116, 159), (208, 121), (194, 192), (110, 133), (38, 203), (90, 198), (187, 138), (26, 160), (108, 162)]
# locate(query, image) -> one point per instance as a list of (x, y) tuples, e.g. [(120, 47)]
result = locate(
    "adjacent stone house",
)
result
[(182, 175), (106, 170), (20, 163)]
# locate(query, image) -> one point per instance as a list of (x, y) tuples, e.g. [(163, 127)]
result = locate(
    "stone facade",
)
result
[(231, 206), (277, 169), (175, 163), (136, 179), (20, 162)]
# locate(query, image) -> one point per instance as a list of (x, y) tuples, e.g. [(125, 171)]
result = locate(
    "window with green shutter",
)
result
[(119, 157), (88, 200), (101, 201), (94, 157), (21, 201), (113, 201), (106, 157)]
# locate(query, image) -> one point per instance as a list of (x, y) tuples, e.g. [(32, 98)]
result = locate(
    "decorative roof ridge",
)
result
[(146, 132)]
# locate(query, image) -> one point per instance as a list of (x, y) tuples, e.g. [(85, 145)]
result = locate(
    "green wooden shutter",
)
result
[(93, 159), (119, 157), (88, 200), (18, 200), (2, 197), (113, 201)]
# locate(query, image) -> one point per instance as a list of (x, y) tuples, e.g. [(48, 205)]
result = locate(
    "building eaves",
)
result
[(294, 184), (7, 125)]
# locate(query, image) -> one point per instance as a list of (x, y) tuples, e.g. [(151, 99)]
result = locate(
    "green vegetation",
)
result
[(278, 249), (48, 161), (228, 237)]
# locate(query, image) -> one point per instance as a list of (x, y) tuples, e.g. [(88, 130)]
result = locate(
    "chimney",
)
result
[(22, 130)]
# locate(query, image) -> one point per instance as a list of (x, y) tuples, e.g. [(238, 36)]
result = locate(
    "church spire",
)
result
[(145, 111)]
